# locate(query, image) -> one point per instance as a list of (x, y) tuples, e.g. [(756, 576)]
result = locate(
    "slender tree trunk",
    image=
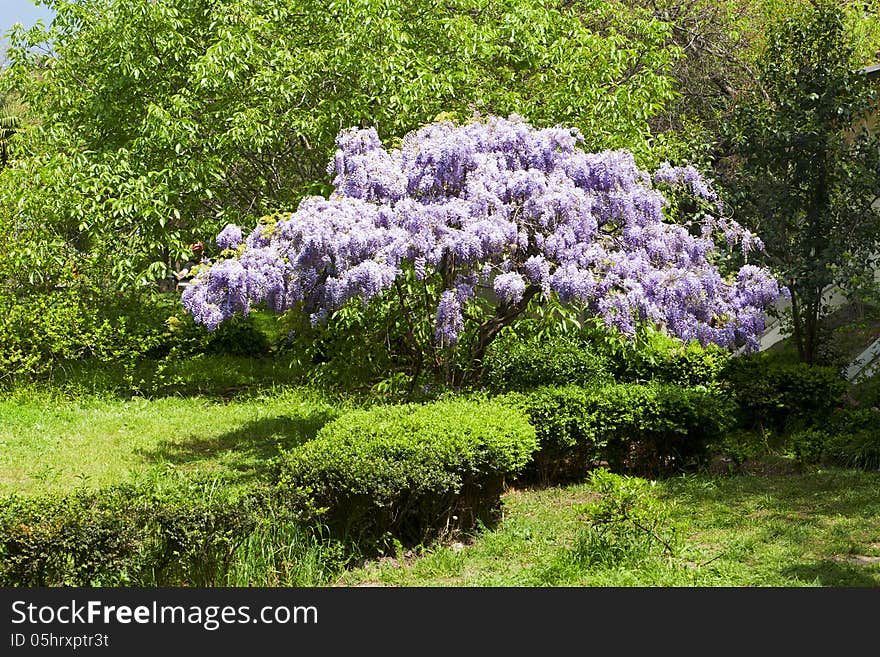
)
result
[(806, 306), (817, 278), (811, 330), (797, 320)]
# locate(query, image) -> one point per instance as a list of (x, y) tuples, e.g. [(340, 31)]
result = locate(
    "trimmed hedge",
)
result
[(643, 429), (411, 472), (772, 394), (514, 364), (129, 535)]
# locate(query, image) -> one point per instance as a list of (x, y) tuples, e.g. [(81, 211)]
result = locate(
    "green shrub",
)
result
[(855, 438), (82, 539), (626, 522), (866, 390), (854, 450), (411, 472), (565, 428), (45, 333), (200, 527), (667, 360), (854, 420), (645, 429), (254, 335), (132, 535), (808, 445), (771, 393), (44, 328), (514, 364), (659, 428)]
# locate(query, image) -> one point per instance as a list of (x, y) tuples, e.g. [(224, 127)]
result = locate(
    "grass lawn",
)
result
[(51, 443), (816, 528)]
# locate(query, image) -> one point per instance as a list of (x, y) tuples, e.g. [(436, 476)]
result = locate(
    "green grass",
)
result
[(52, 443), (819, 528), (215, 375), (816, 529)]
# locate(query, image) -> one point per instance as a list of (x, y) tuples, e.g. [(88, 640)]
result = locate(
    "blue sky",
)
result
[(21, 11)]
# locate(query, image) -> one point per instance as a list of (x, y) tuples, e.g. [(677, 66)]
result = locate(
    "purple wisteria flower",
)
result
[(497, 205), (230, 237)]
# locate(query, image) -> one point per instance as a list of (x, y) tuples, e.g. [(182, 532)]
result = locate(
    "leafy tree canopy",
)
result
[(805, 170), (155, 122)]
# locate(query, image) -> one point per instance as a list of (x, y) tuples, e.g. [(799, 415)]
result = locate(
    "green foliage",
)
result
[(854, 420), (804, 167), (658, 357), (654, 429), (9, 124), (854, 440), (150, 124), (722, 42), (856, 450), (187, 533), (808, 445), (859, 449), (626, 523), (255, 335), (411, 472), (157, 121), (381, 347), (771, 393), (563, 422), (69, 326), (512, 363), (285, 552), (76, 540), (549, 329), (849, 438), (645, 429), (73, 323)]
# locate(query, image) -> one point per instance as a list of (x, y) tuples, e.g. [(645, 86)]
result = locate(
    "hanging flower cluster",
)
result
[(499, 205)]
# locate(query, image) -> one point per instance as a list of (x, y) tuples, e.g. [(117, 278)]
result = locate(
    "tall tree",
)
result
[(160, 120), (721, 42), (805, 172)]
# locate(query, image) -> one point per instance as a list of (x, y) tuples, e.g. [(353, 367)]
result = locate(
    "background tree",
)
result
[(161, 120), (721, 42), (150, 124), (805, 172), (8, 128)]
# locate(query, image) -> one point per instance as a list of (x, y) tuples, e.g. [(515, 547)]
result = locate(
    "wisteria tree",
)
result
[(469, 224)]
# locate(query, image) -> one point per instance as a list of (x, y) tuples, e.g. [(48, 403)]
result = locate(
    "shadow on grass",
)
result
[(832, 492), (833, 573), (246, 452), (823, 512)]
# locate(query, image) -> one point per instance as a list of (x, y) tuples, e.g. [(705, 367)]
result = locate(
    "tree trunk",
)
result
[(796, 320), (806, 307), (505, 314)]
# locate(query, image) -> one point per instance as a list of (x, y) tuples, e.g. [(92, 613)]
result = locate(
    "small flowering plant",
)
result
[(479, 220)]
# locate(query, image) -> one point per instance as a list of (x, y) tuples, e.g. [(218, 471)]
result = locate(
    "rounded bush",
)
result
[(772, 393), (412, 471), (183, 534)]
